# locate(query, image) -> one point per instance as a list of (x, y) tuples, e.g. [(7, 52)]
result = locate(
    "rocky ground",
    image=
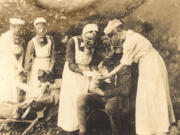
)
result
[(158, 20), (41, 128)]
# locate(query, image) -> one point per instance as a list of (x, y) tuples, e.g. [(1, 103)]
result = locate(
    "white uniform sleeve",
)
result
[(129, 46)]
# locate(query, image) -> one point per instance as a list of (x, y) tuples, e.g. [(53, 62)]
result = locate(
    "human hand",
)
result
[(95, 74), (98, 91), (94, 87), (87, 73), (103, 77)]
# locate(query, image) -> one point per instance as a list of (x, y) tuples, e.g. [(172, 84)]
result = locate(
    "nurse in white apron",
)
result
[(75, 80), (154, 111), (39, 56), (11, 60)]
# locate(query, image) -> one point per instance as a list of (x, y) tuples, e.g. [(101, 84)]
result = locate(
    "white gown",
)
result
[(9, 66), (154, 111), (73, 84)]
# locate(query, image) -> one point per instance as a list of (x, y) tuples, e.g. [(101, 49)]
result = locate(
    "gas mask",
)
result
[(89, 39), (18, 33), (108, 46), (117, 42), (112, 45), (64, 38), (89, 43), (41, 31), (17, 40)]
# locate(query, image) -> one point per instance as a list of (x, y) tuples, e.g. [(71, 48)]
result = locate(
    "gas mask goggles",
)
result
[(41, 29), (18, 33), (41, 32)]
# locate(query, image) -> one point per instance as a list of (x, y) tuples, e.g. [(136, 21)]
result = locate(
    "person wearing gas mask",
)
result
[(40, 55), (112, 95), (154, 112), (76, 75), (12, 46)]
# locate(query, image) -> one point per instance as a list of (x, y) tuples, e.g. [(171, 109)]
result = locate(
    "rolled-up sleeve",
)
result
[(70, 57), (129, 46), (29, 56), (53, 54)]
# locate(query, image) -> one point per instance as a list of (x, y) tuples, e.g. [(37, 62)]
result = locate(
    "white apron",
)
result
[(41, 61), (154, 112), (73, 84), (8, 89)]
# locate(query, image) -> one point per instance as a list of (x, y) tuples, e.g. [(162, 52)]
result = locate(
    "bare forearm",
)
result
[(45, 100), (113, 72), (29, 56), (53, 55)]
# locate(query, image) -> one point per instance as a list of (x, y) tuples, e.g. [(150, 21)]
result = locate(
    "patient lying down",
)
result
[(49, 96)]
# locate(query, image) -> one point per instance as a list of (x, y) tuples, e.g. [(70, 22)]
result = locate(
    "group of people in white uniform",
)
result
[(153, 113)]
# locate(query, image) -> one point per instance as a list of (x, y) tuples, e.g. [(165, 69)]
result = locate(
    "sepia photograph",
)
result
[(89, 67)]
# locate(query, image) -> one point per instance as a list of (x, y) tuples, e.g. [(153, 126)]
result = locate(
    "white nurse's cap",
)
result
[(16, 21), (111, 25), (39, 19)]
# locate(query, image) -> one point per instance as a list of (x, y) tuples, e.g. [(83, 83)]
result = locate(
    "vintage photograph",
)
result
[(89, 67)]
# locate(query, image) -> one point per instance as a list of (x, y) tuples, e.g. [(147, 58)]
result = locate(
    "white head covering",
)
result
[(16, 21), (90, 27), (111, 25), (38, 20)]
